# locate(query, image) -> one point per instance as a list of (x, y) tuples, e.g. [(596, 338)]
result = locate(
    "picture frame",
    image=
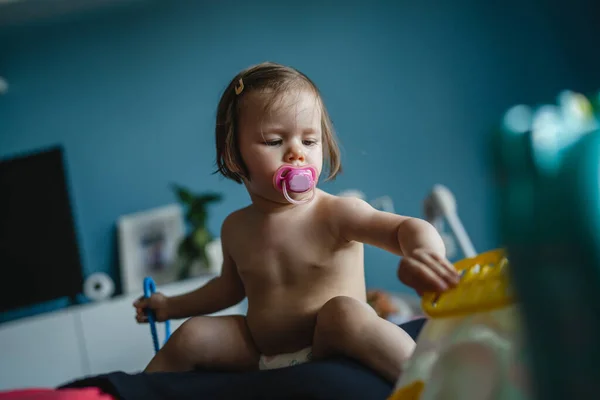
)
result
[(147, 242)]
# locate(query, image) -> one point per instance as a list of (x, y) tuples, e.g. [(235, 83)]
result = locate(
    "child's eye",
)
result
[(309, 142), (273, 142)]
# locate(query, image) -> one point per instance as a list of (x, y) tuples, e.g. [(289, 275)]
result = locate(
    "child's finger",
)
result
[(141, 318), (423, 277), (438, 268), (141, 302), (447, 265)]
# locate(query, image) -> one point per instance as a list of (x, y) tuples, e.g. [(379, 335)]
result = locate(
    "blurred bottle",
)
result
[(548, 169)]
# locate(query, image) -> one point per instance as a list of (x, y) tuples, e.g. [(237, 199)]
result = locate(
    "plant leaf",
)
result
[(209, 197), (184, 195), (201, 238)]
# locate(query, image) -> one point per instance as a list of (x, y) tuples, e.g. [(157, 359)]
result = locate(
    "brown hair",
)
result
[(275, 78)]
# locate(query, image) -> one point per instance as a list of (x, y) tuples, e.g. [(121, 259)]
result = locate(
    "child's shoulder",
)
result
[(234, 220), (341, 209), (343, 203)]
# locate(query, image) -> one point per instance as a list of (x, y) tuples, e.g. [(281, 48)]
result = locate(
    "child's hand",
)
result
[(427, 271), (157, 303)]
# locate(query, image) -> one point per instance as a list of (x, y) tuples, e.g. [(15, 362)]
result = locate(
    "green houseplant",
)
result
[(192, 248)]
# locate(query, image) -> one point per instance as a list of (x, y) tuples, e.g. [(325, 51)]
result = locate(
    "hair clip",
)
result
[(239, 88)]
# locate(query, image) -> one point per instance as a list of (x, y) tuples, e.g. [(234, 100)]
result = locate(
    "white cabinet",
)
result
[(114, 341), (40, 351), (84, 340)]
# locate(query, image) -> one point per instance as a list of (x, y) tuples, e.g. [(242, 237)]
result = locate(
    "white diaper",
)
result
[(285, 360)]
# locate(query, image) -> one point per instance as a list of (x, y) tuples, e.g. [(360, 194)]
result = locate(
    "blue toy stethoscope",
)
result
[(149, 288)]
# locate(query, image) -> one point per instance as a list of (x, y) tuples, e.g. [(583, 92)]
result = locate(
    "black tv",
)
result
[(39, 254)]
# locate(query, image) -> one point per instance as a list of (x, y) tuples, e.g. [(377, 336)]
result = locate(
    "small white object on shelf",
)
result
[(98, 286), (214, 252)]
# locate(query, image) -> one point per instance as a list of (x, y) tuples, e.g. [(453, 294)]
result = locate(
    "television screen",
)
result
[(39, 255)]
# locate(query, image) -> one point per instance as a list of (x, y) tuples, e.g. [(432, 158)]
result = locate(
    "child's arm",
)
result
[(424, 265), (218, 294)]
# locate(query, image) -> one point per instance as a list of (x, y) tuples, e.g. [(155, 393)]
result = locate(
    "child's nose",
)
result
[(294, 154)]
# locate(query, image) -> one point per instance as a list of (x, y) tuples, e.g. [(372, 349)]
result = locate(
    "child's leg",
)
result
[(349, 327), (208, 342)]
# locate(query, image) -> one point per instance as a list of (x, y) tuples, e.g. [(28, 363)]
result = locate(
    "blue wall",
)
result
[(413, 89)]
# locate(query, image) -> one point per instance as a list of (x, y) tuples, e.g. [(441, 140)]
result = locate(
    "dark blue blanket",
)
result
[(326, 379)]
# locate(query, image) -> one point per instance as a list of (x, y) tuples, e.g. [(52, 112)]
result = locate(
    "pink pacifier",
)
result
[(295, 180)]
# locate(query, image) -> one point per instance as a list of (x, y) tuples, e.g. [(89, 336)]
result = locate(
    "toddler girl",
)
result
[(295, 252)]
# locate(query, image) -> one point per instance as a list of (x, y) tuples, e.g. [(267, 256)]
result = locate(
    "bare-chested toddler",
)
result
[(295, 252)]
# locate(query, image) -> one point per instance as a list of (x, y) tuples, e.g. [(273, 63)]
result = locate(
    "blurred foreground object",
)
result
[(527, 329), (470, 347), (3, 86), (547, 162)]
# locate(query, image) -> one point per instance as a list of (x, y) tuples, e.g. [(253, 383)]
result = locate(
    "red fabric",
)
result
[(54, 394)]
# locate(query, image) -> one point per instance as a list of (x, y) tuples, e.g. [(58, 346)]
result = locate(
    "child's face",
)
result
[(288, 133)]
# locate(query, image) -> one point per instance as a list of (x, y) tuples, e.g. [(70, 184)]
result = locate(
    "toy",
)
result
[(149, 288), (547, 162), (470, 348)]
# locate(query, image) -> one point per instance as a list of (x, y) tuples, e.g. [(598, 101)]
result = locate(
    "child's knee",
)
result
[(187, 337), (343, 319)]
